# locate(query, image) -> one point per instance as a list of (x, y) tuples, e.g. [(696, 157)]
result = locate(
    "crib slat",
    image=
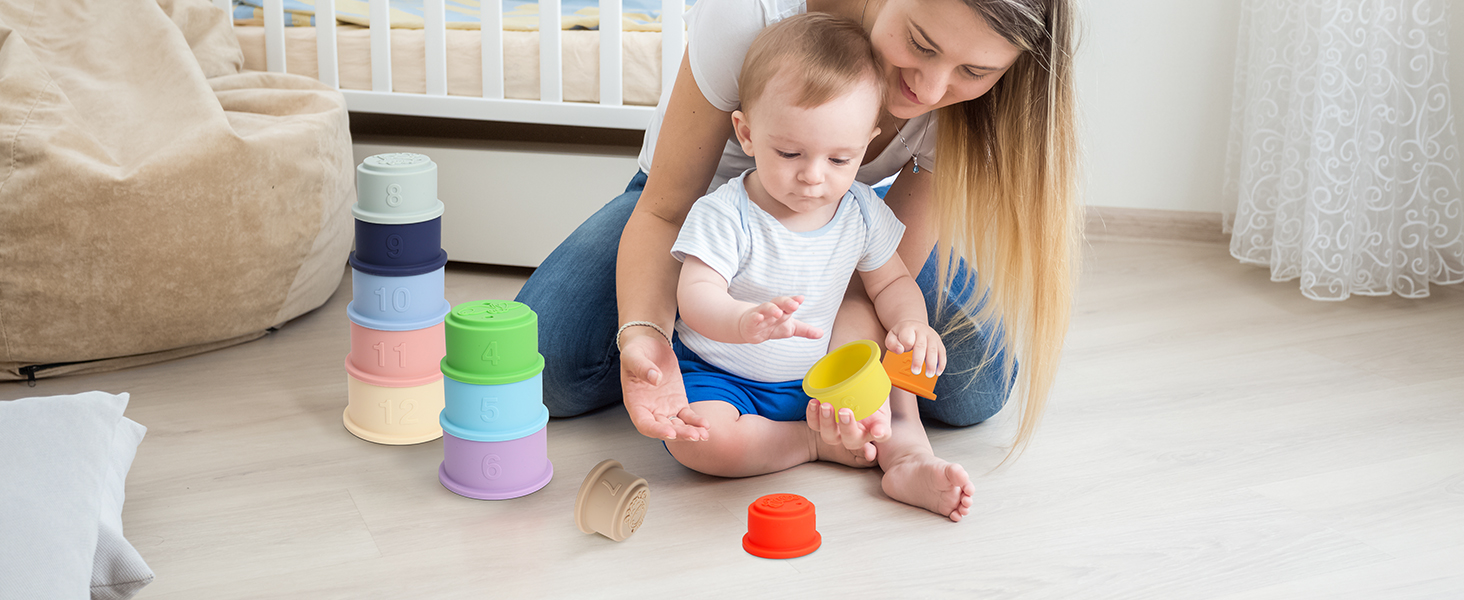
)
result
[(673, 40), (380, 46), (435, 39), (228, 7), (490, 14), (325, 44), (551, 84), (610, 59), (274, 35)]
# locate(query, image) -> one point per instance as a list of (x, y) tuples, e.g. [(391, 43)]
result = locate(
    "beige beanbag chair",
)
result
[(155, 201)]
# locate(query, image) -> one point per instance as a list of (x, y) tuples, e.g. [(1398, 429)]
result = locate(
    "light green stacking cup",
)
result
[(396, 189), (492, 342)]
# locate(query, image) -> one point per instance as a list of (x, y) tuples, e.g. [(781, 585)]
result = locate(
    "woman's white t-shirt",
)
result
[(719, 32)]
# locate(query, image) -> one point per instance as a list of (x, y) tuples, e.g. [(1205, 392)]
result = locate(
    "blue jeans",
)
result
[(573, 292)]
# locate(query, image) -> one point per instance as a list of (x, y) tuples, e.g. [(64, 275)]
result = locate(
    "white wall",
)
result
[(512, 203), (1154, 86)]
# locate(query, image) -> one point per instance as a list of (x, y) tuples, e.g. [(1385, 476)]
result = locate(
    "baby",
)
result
[(785, 238)]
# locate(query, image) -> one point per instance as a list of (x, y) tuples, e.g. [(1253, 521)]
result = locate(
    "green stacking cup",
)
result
[(492, 342)]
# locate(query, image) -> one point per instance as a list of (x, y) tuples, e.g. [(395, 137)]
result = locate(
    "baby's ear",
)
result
[(743, 130)]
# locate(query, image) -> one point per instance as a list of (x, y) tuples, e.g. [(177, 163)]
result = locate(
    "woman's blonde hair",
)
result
[(1006, 199)]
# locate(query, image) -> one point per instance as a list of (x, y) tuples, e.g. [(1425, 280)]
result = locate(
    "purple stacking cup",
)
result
[(495, 470)]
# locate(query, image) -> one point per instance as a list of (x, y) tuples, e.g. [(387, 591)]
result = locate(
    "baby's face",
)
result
[(807, 157)]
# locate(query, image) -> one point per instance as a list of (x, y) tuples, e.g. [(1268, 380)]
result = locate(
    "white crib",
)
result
[(508, 203), (550, 109)]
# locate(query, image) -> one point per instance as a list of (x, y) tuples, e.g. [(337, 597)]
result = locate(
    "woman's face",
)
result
[(936, 53)]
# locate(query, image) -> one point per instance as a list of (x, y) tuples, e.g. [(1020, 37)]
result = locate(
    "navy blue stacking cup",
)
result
[(408, 246), (380, 271)]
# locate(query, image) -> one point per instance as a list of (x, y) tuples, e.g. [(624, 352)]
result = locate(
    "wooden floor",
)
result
[(1212, 435)]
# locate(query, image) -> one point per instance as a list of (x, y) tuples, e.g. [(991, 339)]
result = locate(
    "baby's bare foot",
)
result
[(930, 483)]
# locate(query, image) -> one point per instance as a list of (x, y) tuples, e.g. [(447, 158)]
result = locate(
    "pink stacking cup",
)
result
[(413, 354), (495, 470)]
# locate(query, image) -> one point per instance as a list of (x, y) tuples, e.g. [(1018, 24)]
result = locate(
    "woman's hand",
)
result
[(928, 352), (840, 429), (693, 133), (650, 380)]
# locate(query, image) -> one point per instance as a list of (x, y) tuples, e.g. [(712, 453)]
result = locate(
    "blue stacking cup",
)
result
[(413, 246), (494, 413), (393, 303)]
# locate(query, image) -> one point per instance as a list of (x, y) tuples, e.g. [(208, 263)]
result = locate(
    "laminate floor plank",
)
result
[(1211, 434), (1403, 507), (1419, 577), (191, 539)]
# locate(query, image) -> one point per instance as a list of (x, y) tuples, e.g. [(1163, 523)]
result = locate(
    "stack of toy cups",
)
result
[(494, 443), (393, 382)]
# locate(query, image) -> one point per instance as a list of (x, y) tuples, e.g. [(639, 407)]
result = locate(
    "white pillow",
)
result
[(64, 467), (118, 571)]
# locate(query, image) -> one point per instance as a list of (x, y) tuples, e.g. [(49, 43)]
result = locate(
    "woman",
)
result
[(985, 86)]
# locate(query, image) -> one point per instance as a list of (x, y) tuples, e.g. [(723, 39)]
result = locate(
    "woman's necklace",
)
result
[(914, 157)]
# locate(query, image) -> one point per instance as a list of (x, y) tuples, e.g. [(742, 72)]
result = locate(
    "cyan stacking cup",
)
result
[(495, 470), (494, 413), (394, 303), (396, 188), (409, 246), (492, 342)]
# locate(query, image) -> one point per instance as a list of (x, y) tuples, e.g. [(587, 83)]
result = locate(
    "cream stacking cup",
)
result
[(392, 411)]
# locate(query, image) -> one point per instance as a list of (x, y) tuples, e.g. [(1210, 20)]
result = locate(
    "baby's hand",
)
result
[(774, 320), (839, 429), (929, 351)]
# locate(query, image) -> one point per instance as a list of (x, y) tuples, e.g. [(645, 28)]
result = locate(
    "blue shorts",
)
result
[(780, 401)]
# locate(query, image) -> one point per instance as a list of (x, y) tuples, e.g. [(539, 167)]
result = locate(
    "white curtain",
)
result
[(1343, 166)]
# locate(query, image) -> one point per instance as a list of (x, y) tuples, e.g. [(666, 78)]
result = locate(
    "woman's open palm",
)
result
[(655, 397)]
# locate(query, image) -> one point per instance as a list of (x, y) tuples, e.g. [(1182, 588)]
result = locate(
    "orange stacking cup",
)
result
[(898, 367), (781, 526)]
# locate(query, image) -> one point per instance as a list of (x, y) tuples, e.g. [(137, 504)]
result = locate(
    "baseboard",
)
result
[(1107, 222)]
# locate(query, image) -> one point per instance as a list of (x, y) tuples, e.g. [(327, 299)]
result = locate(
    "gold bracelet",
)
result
[(636, 323)]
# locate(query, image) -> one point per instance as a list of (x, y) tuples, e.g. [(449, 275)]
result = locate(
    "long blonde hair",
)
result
[(1006, 199)]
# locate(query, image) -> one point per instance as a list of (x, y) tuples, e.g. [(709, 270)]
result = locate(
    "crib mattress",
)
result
[(641, 61)]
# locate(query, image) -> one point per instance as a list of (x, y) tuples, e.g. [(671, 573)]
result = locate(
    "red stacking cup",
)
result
[(781, 526)]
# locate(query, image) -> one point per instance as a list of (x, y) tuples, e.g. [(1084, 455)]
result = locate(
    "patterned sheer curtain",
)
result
[(1343, 166)]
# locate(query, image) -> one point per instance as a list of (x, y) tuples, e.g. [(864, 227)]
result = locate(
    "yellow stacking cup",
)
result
[(850, 377)]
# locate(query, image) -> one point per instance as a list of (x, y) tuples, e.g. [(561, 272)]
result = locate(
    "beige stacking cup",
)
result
[(396, 416), (611, 501)]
